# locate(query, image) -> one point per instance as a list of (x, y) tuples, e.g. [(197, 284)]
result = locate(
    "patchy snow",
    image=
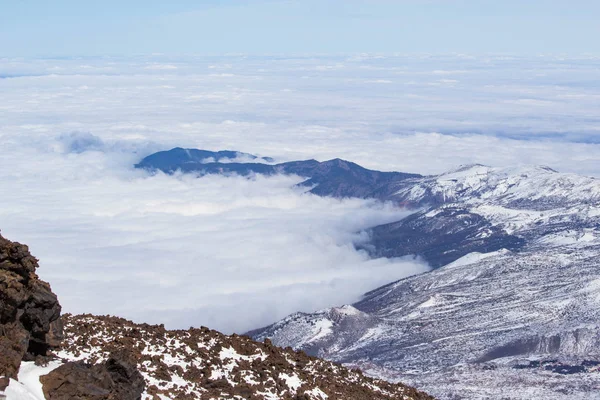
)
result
[(292, 381), (372, 333), (433, 301), (168, 358), (348, 310), (322, 328), (229, 352), (316, 394), (475, 257)]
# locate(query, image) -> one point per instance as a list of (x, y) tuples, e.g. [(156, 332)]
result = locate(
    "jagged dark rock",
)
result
[(29, 311), (115, 379)]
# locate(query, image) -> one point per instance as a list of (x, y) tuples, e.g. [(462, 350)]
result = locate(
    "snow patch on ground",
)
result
[(474, 257), (317, 394), (292, 381), (348, 310), (29, 386)]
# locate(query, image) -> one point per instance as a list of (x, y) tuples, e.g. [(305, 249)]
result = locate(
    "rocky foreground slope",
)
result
[(89, 357), (200, 363)]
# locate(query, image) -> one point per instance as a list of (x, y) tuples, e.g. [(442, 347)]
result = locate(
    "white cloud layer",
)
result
[(235, 254), (225, 252)]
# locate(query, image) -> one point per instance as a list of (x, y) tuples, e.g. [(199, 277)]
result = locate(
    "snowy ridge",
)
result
[(505, 186), (520, 200), (488, 311), (483, 209), (516, 199)]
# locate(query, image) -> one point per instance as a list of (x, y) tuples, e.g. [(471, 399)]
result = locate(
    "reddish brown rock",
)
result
[(29, 311), (202, 364), (116, 379)]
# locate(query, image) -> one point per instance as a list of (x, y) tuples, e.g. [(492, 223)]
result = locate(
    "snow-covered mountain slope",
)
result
[(483, 209), (205, 364), (483, 312), (518, 280), (525, 187)]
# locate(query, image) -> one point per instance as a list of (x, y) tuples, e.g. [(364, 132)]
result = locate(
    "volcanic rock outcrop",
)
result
[(29, 311), (117, 378)]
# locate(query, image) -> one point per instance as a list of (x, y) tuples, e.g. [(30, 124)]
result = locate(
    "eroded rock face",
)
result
[(29, 311), (117, 378)]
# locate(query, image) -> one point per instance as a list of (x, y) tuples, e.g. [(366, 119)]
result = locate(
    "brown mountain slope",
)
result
[(205, 364)]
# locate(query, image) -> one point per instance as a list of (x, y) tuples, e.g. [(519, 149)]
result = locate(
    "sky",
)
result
[(116, 27)]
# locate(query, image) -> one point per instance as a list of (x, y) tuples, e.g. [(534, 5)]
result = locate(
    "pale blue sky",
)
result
[(120, 27)]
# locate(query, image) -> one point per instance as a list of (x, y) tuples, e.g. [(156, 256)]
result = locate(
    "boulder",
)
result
[(116, 379)]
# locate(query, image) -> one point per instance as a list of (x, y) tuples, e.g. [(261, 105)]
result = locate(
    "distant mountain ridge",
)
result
[(474, 208), (337, 177), (179, 158)]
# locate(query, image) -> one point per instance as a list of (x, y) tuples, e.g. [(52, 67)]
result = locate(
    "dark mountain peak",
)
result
[(179, 158), (548, 169), (341, 164), (337, 177)]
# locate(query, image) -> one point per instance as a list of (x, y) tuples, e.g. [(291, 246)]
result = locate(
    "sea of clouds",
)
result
[(235, 253)]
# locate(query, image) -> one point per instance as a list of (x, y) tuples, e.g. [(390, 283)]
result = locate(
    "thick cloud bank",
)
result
[(227, 252), (232, 253)]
